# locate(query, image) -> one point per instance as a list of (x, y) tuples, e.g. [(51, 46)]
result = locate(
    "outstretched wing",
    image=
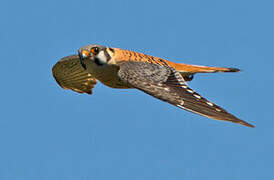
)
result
[(165, 83), (69, 74)]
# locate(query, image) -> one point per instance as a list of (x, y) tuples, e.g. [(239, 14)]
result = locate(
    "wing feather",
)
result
[(69, 74), (165, 83)]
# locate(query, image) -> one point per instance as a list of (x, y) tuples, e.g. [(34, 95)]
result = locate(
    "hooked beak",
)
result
[(81, 60)]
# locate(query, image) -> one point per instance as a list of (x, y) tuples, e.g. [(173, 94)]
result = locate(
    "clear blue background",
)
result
[(48, 133)]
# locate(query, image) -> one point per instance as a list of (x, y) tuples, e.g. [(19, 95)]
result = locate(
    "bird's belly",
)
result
[(108, 75)]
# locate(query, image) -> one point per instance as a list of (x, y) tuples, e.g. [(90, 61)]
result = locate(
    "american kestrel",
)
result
[(160, 78)]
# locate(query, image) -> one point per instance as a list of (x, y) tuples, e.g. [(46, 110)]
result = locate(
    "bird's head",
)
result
[(94, 54)]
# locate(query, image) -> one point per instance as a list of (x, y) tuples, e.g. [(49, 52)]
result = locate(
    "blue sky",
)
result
[(49, 133)]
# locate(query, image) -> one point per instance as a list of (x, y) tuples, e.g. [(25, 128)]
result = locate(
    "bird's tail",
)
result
[(192, 69)]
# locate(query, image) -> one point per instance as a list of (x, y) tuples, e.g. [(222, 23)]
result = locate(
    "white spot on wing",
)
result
[(189, 90), (181, 105), (197, 96), (209, 103)]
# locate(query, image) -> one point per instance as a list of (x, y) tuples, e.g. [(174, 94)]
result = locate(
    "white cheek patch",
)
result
[(101, 56)]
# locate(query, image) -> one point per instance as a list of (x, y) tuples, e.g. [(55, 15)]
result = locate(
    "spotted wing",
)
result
[(69, 74), (165, 83)]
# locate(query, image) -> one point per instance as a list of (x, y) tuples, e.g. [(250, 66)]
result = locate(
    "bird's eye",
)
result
[(94, 50)]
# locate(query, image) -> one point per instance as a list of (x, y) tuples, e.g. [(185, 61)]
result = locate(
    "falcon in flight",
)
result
[(160, 78)]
